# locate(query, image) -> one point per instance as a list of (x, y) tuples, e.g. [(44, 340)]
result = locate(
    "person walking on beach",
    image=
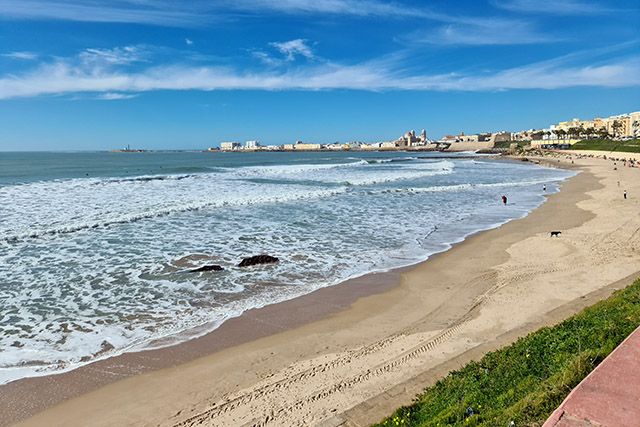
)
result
[(625, 194), (504, 199), (544, 187)]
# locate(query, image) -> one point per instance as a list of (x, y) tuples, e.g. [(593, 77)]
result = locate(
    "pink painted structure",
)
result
[(609, 396)]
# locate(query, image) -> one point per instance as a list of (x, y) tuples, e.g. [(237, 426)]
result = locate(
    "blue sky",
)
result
[(94, 74)]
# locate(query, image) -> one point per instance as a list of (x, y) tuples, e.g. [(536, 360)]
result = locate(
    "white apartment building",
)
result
[(230, 146)]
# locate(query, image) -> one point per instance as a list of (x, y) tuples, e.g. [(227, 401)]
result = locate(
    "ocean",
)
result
[(96, 249)]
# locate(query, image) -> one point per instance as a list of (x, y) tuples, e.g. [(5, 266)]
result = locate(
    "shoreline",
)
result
[(301, 310), (364, 301), (357, 284)]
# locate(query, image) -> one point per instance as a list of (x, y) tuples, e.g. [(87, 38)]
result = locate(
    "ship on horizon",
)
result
[(128, 149)]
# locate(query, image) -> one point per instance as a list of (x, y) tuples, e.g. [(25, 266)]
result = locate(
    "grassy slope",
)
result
[(507, 144), (527, 380), (632, 146)]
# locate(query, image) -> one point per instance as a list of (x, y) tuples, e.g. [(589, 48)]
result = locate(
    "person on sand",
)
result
[(625, 194), (504, 199)]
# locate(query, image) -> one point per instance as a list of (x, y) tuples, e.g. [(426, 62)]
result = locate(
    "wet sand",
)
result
[(351, 353)]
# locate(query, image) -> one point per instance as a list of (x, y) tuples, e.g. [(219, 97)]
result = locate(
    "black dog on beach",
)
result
[(556, 233)]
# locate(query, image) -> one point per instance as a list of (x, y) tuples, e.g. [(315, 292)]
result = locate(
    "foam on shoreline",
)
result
[(154, 308)]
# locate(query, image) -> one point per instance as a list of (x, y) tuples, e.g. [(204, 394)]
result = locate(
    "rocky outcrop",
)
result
[(207, 268), (258, 259)]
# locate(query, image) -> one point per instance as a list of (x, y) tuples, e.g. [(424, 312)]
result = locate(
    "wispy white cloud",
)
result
[(114, 96), (489, 31), (292, 48), (114, 81), (116, 56), (27, 56), (456, 29), (169, 13), (619, 73), (557, 7), (121, 11), (285, 52), (203, 12), (265, 58), (346, 7)]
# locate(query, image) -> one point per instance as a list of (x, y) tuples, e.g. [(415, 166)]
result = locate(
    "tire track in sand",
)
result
[(264, 391)]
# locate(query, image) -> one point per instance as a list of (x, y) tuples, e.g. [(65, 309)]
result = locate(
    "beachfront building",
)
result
[(409, 139), (634, 119), (230, 146), (389, 145), (302, 146), (252, 145), (371, 146), (336, 146), (462, 137), (354, 145), (468, 138), (476, 137), (619, 126), (624, 125), (449, 139)]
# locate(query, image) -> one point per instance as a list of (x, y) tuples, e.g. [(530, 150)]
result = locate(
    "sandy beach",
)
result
[(350, 354)]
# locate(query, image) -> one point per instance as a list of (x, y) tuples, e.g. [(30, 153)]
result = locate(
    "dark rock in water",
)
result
[(258, 259), (207, 268)]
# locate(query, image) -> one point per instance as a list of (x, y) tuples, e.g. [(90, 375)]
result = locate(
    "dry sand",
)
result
[(354, 364), (602, 154)]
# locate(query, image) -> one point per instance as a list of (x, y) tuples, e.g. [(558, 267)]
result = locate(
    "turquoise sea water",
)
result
[(96, 248)]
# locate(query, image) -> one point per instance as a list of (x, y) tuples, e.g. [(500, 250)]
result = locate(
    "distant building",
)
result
[(502, 136), (409, 139), (302, 146), (620, 126), (389, 145), (450, 138), (475, 138), (467, 138), (624, 125), (230, 146), (251, 145)]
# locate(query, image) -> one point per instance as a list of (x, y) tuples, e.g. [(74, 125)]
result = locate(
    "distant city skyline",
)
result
[(98, 75)]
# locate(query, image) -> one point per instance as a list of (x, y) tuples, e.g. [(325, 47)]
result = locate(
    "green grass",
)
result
[(507, 144), (527, 380), (631, 146)]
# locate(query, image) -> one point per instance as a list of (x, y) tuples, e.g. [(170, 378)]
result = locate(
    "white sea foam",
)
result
[(474, 186), (72, 298), (76, 221), (60, 207)]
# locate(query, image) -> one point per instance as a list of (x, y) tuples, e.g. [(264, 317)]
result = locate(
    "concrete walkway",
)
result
[(609, 396)]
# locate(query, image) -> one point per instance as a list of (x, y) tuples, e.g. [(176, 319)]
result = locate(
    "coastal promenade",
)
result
[(609, 396), (343, 357)]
